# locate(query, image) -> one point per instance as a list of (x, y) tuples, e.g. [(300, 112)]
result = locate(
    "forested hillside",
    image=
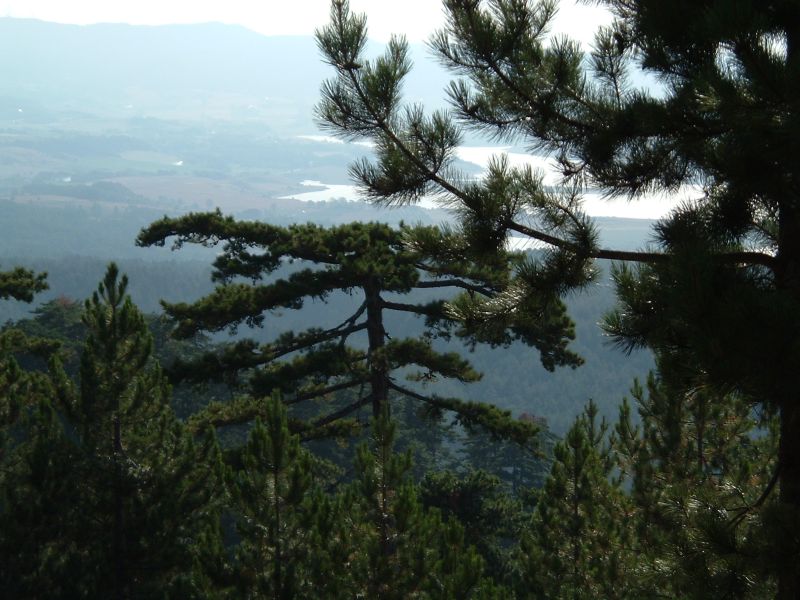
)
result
[(441, 378)]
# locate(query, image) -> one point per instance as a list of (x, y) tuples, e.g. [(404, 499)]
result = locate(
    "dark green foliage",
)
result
[(492, 519), (39, 509), (57, 325), (374, 538), (580, 543), (683, 309), (511, 380), (402, 549), (150, 481), (104, 492), (718, 299), (124, 496), (415, 156), (701, 469), (521, 468), (21, 284), (270, 494), (699, 513)]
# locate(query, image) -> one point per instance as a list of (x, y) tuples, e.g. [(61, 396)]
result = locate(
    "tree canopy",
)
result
[(720, 118), (357, 358)]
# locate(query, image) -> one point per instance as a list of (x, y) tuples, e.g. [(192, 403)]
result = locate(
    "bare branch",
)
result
[(350, 408), (459, 283), (324, 391), (754, 258)]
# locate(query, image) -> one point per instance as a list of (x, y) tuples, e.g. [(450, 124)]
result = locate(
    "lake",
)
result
[(647, 206)]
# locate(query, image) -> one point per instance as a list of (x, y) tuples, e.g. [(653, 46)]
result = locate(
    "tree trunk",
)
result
[(788, 280), (277, 574), (379, 372), (789, 461), (119, 516)]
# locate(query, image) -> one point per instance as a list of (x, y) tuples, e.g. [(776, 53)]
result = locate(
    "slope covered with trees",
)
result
[(104, 491), (101, 487)]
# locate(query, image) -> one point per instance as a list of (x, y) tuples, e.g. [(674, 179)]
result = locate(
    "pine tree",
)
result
[(697, 467), (720, 116), (39, 496), (401, 549), (36, 491), (271, 490), (125, 498), (492, 519), (19, 390), (371, 262), (21, 284), (580, 543), (150, 485), (373, 538), (58, 323)]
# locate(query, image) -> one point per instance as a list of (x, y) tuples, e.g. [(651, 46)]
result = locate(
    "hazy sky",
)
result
[(415, 18)]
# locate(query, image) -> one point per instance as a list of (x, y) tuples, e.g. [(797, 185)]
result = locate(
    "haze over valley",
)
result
[(96, 144)]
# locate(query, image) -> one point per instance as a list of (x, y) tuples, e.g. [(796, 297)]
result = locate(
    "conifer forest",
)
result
[(296, 406)]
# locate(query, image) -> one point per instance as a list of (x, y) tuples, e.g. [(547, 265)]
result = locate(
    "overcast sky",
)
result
[(417, 19)]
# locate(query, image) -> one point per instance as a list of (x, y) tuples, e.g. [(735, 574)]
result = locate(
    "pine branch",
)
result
[(416, 309), (324, 391), (21, 284), (350, 408), (536, 106), (380, 122), (499, 423), (754, 258), (745, 510), (459, 283), (406, 352), (245, 354)]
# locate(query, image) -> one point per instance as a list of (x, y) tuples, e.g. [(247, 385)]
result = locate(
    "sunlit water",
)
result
[(648, 206)]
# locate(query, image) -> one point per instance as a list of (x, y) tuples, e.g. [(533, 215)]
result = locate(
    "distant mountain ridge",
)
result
[(171, 70)]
